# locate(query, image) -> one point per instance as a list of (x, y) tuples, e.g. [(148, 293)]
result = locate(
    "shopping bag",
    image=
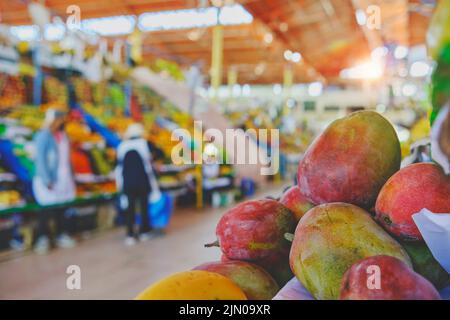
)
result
[(160, 205), (160, 211)]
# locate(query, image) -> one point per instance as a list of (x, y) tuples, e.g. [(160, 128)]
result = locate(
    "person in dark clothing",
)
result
[(136, 187), (134, 176)]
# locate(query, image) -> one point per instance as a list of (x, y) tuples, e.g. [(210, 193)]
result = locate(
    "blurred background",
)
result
[(81, 79)]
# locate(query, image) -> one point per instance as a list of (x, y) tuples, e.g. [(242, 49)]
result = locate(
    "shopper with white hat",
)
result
[(135, 180)]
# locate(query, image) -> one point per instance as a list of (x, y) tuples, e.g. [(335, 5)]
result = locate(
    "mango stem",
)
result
[(212, 244), (289, 236)]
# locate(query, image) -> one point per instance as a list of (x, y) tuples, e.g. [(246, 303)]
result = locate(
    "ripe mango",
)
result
[(293, 199), (193, 285), (425, 264), (254, 281), (413, 188), (385, 278), (332, 237), (254, 231), (277, 266), (350, 161)]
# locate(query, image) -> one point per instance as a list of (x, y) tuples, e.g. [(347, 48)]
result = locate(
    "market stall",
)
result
[(225, 150)]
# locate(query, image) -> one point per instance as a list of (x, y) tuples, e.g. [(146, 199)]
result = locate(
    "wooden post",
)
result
[(216, 81), (288, 79), (38, 76), (199, 185), (198, 160), (217, 58), (232, 79)]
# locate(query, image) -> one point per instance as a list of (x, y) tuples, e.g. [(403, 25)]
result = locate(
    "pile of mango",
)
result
[(9, 198), (12, 91), (31, 116), (120, 124), (345, 231), (102, 113), (88, 189), (55, 91), (83, 90), (80, 133), (295, 143), (28, 116), (421, 129), (172, 69)]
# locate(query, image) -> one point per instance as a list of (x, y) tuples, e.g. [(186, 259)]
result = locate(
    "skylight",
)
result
[(194, 18), (54, 31), (150, 21), (179, 19), (25, 33), (236, 14), (109, 26)]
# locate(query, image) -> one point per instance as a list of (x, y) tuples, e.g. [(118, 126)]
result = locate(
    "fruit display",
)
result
[(160, 118), (116, 96), (29, 116), (55, 91), (83, 90), (296, 142), (240, 151), (80, 133), (91, 161), (351, 212), (10, 198), (12, 91), (10, 189), (162, 139), (420, 130), (169, 68)]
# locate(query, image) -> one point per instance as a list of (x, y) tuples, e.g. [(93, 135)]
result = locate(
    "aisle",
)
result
[(109, 270)]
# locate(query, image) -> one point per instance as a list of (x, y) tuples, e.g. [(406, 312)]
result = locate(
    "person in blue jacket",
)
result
[(53, 182)]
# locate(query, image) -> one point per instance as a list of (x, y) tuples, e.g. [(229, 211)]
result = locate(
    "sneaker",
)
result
[(146, 236), (65, 241), (155, 233), (159, 232), (130, 241), (42, 245), (17, 245)]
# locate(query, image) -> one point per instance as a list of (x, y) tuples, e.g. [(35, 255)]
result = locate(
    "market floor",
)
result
[(110, 270)]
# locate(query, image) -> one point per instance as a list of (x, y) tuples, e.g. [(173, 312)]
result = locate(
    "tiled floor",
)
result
[(109, 270)]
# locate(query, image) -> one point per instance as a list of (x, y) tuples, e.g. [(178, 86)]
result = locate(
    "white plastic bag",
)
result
[(435, 229)]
